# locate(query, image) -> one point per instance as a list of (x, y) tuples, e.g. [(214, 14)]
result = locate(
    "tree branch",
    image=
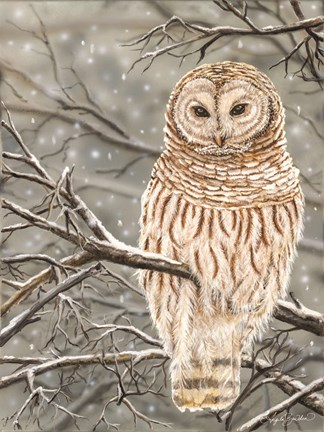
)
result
[(282, 406), (19, 322), (300, 316), (82, 360), (42, 365), (212, 34)]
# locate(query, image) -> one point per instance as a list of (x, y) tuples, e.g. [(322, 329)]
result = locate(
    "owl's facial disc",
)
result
[(194, 113), (220, 119), (244, 113)]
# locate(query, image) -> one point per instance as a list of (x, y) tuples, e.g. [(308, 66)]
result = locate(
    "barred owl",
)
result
[(224, 198)]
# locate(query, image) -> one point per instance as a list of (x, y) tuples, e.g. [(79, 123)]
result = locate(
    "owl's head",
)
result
[(223, 108)]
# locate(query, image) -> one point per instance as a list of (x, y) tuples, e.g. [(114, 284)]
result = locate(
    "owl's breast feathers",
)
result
[(258, 178), (235, 220), (241, 256)]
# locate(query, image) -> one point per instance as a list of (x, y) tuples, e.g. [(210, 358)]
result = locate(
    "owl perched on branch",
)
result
[(225, 199)]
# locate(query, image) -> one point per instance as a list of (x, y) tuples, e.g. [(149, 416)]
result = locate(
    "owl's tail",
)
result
[(210, 379)]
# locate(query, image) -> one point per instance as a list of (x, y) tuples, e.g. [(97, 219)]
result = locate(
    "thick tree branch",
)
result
[(122, 254), (300, 316)]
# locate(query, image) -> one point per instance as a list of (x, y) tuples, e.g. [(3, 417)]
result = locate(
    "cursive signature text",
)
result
[(288, 418)]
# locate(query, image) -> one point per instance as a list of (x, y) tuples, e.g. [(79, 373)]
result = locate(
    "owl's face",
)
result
[(222, 112)]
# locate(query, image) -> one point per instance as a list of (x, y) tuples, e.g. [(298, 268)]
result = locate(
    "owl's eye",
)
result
[(200, 111), (238, 110)]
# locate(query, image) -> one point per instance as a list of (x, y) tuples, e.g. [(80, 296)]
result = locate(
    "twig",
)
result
[(37, 257)]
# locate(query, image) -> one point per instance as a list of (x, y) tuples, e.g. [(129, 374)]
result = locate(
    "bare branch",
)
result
[(123, 254), (44, 276), (82, 360), (212, 34), (111, 328), (282, 406), (17, 323), (37, 257), (286, 383)]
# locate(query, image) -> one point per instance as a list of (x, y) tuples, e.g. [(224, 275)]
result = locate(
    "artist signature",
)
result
[(287, 419)]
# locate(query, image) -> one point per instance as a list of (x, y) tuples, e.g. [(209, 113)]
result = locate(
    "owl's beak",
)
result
[(219, 139)]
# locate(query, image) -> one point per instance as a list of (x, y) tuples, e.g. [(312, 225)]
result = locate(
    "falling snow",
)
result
[(18, 13), (151, 408), (65, 36), (137, 103)]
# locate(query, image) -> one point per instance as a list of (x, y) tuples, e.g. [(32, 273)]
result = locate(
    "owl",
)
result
[(224, 198)]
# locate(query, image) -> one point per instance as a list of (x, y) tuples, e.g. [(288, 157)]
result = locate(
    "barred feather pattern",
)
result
[(235, 221)]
